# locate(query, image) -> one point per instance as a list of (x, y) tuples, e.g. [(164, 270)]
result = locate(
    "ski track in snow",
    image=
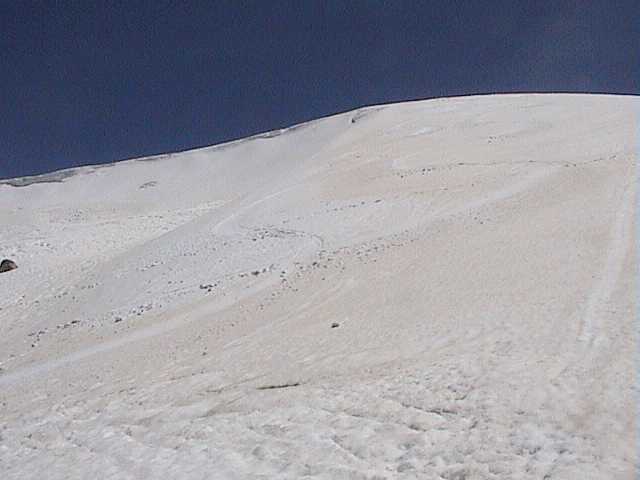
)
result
[(620, 242)]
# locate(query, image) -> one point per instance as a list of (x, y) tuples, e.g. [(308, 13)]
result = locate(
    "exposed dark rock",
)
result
[(7, 265), (150, 184), (55, 177), (284, 385)]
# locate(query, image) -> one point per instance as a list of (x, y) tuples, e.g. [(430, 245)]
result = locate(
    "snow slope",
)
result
[(440, 289)]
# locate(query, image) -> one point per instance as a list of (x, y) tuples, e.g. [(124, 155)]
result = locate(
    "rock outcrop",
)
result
[(7, 265)]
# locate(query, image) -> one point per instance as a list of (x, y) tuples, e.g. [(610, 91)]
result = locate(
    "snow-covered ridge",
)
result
[(436, 289), (60, 175)]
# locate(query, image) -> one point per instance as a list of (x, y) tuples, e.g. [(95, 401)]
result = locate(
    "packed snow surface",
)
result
[(437, 290)]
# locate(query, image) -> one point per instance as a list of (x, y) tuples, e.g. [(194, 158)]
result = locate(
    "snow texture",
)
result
[(430, 290)]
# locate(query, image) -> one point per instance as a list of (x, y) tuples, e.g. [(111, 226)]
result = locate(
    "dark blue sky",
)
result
[(97, 81)]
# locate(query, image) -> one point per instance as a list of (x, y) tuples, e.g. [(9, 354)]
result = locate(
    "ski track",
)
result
[(619, 243)]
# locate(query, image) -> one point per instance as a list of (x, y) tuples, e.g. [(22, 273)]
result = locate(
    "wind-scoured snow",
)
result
[(440, 289)]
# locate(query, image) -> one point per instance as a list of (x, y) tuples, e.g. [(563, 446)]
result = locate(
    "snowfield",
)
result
[(441, 289)]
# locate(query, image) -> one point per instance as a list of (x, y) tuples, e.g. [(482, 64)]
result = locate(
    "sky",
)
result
[(88, 82)]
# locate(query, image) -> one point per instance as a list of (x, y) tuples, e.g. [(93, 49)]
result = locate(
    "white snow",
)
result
[(174, 317)]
